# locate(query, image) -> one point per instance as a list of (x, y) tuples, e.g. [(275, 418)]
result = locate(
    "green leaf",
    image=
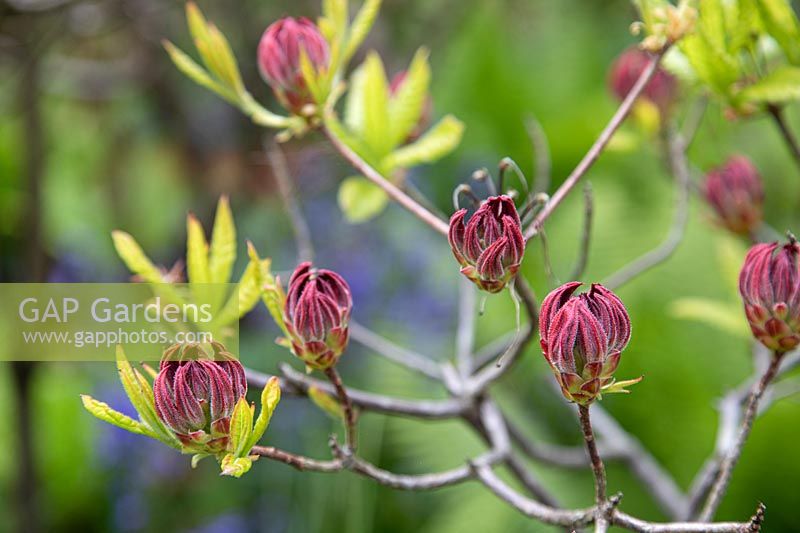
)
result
[(197, 259), (141, 396), (270, 397), (718, 71), (311, 78), (779, 86), (724, 316), (105, 413), (781, 23), (407, 105), (196, 458), (711, 24), (134, 257), (354, 104), (439, 141), (241, 428), (360, 199), (326, 402), (376, 106), (197, 73), (354, 142), (235, 466), (248, 290), (361, 25), (223, 249)]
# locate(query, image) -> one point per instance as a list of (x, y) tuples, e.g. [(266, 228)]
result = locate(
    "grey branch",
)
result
[(393, 352), (680, 170)]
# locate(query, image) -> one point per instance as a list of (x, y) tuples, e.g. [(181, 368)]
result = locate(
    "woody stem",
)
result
[(598, 469), (347, 407)]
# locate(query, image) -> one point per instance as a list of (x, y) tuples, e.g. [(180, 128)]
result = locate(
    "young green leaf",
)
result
[(197, 73), (439, 141), (241, 428), (354, 104), (105, 413), (360, 199), (270, 397), (134, 257), (361, 25), (223, 244), (235, 466), (326, 402), (781, 23), (407, 104), (780, 86), (376, 106)]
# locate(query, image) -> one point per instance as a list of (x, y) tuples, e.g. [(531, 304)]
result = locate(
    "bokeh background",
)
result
[(99, 132)]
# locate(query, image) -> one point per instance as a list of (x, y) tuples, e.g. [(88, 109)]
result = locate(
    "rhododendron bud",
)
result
[(662, 88), (195, 393), (582, 338), (427, 108), (490, 245), (279, 59), (770, 287), (316, 315), (735, 193)]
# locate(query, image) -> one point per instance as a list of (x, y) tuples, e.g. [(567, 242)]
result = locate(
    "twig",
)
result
[(280, 170), (548, 264), (393, 352), (586, 234), (680, 170), (294, 382), (394, 192), (791, 141), (732, 457), (634, 524), (351, 431), (465, 332), (298, 462), (597, 148), (598, 469)]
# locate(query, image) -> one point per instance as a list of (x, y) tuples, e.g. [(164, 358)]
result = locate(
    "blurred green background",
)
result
[(112, 136)]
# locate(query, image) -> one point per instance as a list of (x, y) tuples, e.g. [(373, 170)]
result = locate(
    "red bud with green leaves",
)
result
[(735, 193), (489, 247), (770, 287), (279, 59), (316, 315), (582, 338), (196, 392)]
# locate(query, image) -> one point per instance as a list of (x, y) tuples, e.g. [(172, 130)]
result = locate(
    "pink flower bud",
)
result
[(195, 393), (770, 287), (427, 108), (582, 338), (661, 90), (318, 305), (279, 59), (735, 193), (490, 245)]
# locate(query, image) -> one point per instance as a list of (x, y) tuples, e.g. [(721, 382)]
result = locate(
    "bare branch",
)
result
[(394, 192), (393, 352), (779, 118), (351, 430), (732, 456), (597, 148), (680, 170), (598, 469), (541, 152), (280, 170), (294, 382), (299, 462), (586, 234), (634, 524)]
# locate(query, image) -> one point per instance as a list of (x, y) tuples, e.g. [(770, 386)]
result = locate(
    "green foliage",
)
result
[(378, 126)]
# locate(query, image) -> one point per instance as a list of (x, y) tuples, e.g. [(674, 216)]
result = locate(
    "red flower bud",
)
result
[(279, 59), (427, 108), (195, 393), (735, 193), (582, 338), (318, 305), (490, 245), (661, 89), (770, 287)]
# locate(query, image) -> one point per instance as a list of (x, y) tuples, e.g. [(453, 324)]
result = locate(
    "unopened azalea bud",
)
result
[(279, 59), (489, 247), (662, 88), (735, 193), (582, 338), (770, 287), (195, 392), (316, 315), (427, 109)]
